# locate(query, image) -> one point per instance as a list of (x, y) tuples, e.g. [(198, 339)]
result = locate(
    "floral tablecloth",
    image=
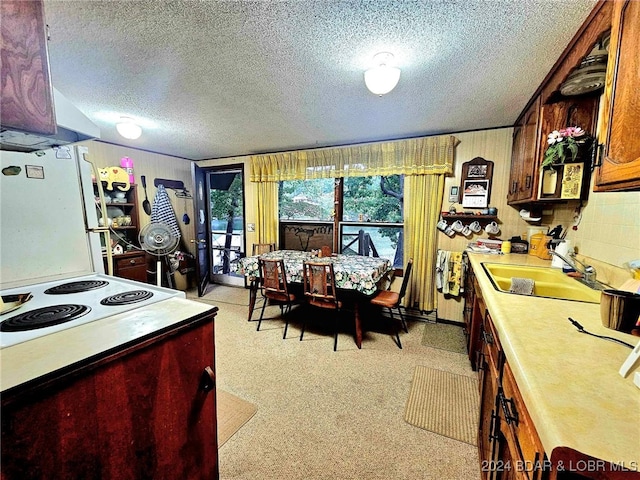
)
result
[(353, 272)]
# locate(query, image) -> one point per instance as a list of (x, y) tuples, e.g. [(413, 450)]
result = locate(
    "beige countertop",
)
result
[(30, 360), (568, 380)]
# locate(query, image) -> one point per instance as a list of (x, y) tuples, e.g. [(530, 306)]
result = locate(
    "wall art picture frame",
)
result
[(475, 184)]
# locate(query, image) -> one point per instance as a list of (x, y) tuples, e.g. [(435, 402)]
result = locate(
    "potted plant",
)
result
[(565, 145)]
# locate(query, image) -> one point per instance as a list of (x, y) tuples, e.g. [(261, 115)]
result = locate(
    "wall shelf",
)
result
[(466, 217)]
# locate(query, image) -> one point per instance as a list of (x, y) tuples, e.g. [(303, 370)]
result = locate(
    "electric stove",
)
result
[(67, 303)]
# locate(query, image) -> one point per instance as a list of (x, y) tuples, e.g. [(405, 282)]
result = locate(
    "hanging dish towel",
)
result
[(162, 211)]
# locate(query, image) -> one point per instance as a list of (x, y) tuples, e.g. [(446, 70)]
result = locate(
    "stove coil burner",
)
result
[(126, 298), (44, 317), (76, 287)]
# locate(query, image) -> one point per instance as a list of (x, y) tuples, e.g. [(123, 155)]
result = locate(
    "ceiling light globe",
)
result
[(381, 79), (128, 129)]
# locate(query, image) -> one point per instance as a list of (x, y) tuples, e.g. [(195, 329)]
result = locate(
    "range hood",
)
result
[(73, 127)]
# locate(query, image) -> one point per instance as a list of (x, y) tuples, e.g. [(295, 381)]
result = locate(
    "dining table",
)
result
[(355, 274)]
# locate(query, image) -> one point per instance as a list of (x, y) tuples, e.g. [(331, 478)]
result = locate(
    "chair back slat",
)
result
[(260, 248), (405, 280), (273, 275), (319, 283)]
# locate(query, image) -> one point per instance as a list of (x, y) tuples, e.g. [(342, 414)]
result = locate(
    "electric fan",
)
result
[(157, 239)]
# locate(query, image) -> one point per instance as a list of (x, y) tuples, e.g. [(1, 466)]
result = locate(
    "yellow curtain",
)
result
[(415, 156), (267, 212), (422, 204)]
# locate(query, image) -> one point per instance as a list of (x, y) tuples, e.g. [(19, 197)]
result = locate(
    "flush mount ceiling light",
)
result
[(128, 128), (383, 77)]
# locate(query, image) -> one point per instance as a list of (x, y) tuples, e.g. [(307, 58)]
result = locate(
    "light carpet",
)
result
[(444, 336), (233, 413), (330, 415), (444, 403), (222, 294)]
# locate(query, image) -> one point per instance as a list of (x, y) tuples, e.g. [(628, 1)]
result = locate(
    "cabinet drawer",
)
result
[(518, 427), (130, 262)]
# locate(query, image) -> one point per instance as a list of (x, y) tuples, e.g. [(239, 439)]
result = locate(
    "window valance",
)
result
[(415, 156)]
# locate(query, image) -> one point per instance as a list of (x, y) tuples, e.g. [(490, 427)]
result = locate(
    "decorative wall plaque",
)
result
[(476, 183)]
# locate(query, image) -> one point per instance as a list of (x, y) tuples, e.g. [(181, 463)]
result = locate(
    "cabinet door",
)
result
[(27, 96), (620, 169), (530, 142), (144, 414), (516, 163), (517, 427)]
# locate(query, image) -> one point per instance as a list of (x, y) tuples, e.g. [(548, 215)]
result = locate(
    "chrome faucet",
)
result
[(588, 271)]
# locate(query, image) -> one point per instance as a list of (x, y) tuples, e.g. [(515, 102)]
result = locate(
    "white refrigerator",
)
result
[(47, 222)]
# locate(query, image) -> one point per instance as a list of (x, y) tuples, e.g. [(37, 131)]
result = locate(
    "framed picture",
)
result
[(476, 183)]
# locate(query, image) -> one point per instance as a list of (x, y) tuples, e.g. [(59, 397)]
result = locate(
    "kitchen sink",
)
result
[(548, 282)]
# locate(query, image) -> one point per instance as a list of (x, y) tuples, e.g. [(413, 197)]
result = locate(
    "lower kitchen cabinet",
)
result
[(130, 265), (146, 411), (509, 446)]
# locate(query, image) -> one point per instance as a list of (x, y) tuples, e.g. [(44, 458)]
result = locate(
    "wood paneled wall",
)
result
[(152, 165)]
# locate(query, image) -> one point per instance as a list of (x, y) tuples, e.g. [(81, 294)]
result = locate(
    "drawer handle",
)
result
[(527, 183), (493, 426), (207, 380), (487, 337), (132, 262), (480, 363), (509, 409)]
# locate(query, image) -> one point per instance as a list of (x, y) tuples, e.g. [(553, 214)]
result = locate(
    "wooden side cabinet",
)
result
[(147, 411), (131, 265), (27, 95), (620, 168)]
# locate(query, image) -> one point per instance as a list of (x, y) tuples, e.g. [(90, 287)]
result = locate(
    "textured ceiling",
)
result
[(210, 79)]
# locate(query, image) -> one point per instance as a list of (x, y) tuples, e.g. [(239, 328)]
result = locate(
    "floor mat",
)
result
[(445, 337), (233, 413), (444, 403)]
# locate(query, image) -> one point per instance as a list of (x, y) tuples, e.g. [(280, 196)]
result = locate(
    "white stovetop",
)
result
[(90, 298)]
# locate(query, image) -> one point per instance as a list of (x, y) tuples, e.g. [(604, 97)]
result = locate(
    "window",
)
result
[(306, 199), (371, 223)]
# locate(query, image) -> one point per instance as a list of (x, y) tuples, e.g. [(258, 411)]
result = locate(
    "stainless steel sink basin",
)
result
[(548, 282)]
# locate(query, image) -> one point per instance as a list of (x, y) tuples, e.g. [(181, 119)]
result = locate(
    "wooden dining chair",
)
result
[(275, 289), (260, 248), (326, 250), (391, 300), (320, 290)]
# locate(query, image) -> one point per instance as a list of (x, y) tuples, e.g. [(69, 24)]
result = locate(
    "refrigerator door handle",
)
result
[(103, 211)]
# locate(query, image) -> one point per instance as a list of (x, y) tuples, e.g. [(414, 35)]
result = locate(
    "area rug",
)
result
[(222, 294), (445, 337), (233, 413), (444, 403)]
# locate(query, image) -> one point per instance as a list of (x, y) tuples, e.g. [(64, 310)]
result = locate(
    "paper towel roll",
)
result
[(563, 249)]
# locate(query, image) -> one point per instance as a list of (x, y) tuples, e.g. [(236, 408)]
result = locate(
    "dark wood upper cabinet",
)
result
[(620, 168), (27, 95), (549, 110)]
